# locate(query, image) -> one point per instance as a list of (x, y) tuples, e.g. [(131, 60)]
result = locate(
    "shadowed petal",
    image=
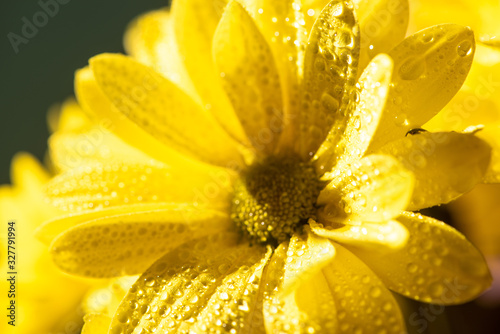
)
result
[(438, 265), (445, 164)]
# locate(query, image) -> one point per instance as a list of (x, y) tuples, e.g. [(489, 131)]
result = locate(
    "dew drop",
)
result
[(149, 282), (375, 292), (427, 38), (436, 290), (319, 64), (411, 69), (337, 9), (357, 122), (343, 39), (397, 100), (412, 268), (329, 102), (123, 318), (400, 119), (464, 48)]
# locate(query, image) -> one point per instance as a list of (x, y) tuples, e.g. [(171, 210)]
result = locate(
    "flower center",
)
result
[(274, 198)]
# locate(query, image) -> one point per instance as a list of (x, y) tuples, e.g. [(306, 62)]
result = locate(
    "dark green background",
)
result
[(41, 74)]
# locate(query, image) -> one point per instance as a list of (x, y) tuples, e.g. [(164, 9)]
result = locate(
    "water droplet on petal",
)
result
[(411, 69), (329, 102), (427, 38), (464, 48)]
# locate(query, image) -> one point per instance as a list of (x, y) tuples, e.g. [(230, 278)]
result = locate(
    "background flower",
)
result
[(47, 300)]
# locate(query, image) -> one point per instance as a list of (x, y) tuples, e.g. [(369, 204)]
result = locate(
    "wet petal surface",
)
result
[(438, 265), (430, 66), (445, 164), (250, 77), (330, 66)]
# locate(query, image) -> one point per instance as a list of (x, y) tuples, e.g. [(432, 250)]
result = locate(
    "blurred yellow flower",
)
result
[(480, 15), (46, 300), (271, 161)]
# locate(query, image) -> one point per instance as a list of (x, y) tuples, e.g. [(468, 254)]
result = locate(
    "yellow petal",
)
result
[(330, 65), (27, 173), (438, 265), (113, 184), (490, 134), (308, 309), (477, 102), (430, 67), (150, 39), (305, 256), (69, 117), (162, 109), (374, 189), (282, 25), (198, 286), (51, 228), (377, 236), (105, 115), (69, 150), (352, 144), (363, 303), (128, 244), (445, 165), (293, 277), (195, 22), (96, 323), (240, 294), (382, 24), (250, 77)]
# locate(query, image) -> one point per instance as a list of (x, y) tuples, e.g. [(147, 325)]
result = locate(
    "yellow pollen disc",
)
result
[(273, 199)]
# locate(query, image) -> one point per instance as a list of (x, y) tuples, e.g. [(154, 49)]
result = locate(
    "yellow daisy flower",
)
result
[(270, 165), (481, 15)]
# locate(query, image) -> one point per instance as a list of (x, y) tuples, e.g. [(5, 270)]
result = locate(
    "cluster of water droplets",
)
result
[(274, 198), (329, 72), (203, 287)]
